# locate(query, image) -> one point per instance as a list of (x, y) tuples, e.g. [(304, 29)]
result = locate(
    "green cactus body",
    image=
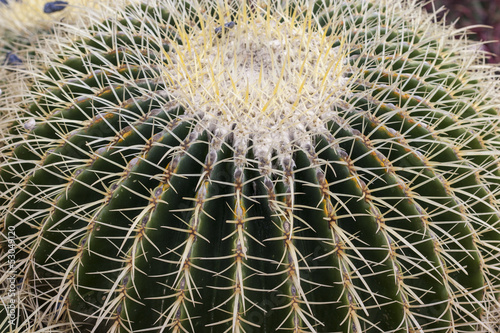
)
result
[(313, 167)]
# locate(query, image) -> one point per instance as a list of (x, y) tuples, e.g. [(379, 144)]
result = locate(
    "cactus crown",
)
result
[(307, 166), (266, 79)]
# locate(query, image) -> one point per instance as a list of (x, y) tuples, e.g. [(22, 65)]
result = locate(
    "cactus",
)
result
[(26, 24), (254, 167), (23, 24)]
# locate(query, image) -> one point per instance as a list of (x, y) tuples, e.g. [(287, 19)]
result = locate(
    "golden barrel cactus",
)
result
[(260, 166)]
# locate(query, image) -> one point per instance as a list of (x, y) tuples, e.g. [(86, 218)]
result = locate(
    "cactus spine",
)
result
[(313, 167)]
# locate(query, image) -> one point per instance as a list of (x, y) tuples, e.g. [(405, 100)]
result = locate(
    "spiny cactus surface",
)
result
[(24, 25), (254, 167)]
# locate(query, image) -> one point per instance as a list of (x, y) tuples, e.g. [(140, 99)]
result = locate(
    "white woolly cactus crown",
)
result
[(252, 166), (266, 80)]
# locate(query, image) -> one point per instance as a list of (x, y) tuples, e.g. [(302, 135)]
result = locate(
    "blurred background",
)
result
[(478, 13)]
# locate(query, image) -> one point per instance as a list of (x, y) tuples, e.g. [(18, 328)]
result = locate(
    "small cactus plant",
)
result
[(26, 24), (254, 167)]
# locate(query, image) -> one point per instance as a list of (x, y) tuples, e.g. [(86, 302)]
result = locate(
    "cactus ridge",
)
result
[(350, 184)]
